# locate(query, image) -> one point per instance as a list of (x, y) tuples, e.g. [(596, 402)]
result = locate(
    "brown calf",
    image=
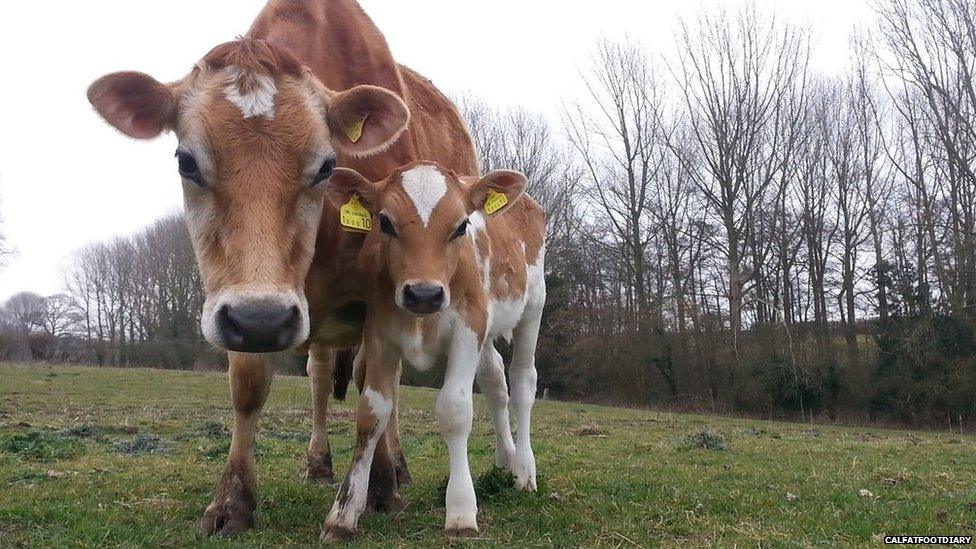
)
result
[(260, 128), (451, 265)]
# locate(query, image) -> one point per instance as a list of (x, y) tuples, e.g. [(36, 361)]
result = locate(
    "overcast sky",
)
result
[(66, 178)]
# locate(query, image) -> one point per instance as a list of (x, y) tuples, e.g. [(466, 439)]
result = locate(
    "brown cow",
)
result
[(452, 266), (260, 127)]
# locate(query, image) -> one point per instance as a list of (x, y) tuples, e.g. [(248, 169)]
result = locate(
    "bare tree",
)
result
[(738, 77)]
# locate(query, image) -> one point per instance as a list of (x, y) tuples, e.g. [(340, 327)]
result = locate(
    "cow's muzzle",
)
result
[(256, 323)]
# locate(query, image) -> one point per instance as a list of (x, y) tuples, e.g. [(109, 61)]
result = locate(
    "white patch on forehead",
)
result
[(252, 93), (426, 186)]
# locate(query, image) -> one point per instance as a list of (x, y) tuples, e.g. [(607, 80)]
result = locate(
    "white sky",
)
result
[(67, 178)]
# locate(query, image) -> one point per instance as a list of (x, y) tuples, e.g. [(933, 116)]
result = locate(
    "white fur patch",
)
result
[(259, 100), (378, 404), (426, 186)]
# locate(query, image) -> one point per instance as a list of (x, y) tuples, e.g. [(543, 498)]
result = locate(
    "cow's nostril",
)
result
[(260, 328)]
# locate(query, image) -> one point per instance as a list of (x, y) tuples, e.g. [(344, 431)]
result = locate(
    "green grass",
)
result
[(95, 457)]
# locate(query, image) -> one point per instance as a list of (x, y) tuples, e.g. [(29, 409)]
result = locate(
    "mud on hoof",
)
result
[(336, 534), (526, 484), (460, 533), (229, 514), (318, 470)]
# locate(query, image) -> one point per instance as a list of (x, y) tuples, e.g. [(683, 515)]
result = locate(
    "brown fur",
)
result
[(253, 228)]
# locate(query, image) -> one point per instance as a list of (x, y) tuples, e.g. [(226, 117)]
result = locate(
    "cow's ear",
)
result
[(135, 103), (366, 120), (496, 191), (345, 184)]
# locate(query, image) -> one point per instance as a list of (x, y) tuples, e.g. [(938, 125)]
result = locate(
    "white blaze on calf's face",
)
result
[(426, 206), (426, 186)]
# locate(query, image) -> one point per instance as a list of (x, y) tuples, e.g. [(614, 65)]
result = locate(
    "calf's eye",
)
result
[(461, 230), (387, 226)]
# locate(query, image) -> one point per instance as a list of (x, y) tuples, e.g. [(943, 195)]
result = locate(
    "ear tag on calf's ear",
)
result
[(355, 218), (495, 201), (354, 131)]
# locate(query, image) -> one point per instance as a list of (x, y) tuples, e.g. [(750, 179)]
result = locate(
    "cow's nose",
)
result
[(258, 328), (423, 299)]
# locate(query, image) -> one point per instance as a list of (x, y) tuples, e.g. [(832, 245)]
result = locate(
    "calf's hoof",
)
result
[(336, 534), (460, 533), (318, 470), (526, 484)]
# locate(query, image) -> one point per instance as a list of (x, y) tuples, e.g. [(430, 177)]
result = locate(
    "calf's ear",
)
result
[(497, 191), (346, 183), (135, 103), (366, 120)]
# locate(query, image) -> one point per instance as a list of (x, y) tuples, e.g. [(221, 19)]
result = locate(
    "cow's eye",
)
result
[(189, 168), (387, 226), (461, 230), (325, 171)]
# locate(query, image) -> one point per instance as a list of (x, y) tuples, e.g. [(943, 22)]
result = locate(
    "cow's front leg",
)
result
[(232, 509), (321, 361), (393, 438), (372, 419), (455, 413)]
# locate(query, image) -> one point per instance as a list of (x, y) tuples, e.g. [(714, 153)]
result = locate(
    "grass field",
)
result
[(96, 457)]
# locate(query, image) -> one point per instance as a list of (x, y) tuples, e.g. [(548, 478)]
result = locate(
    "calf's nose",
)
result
[(258, 328), (424, 298)]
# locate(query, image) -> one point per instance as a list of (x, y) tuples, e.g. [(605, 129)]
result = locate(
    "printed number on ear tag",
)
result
[(354, 131), (495, 201), (355, 218)]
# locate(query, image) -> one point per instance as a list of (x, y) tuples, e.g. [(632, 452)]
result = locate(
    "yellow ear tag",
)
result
[(354, 131), (495, 201), (355, 218)]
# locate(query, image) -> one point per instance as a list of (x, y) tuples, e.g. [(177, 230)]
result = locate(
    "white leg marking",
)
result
[(524, 380), (491, 381), (455, 413), (351, 500)]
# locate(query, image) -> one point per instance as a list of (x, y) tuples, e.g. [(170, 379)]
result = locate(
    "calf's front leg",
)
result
[(455, 413), (372, 418), (232, 509)]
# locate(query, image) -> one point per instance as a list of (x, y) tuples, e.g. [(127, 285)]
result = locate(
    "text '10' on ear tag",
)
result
[(355, 218), (495, 201), (354, 131)]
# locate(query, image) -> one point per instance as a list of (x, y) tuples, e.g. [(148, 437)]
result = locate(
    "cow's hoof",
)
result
[(461, 533), (336, 534), (318, 470), (404, 480), (403, 477), (227, 517)]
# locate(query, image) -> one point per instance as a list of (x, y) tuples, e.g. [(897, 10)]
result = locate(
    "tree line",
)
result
[(729, 229)]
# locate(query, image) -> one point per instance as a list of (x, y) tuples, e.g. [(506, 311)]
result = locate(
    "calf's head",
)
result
[(258, 137), (422, 215)]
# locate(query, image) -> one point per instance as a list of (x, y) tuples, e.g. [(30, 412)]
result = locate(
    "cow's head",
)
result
[(422, 215), (258, 137)]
